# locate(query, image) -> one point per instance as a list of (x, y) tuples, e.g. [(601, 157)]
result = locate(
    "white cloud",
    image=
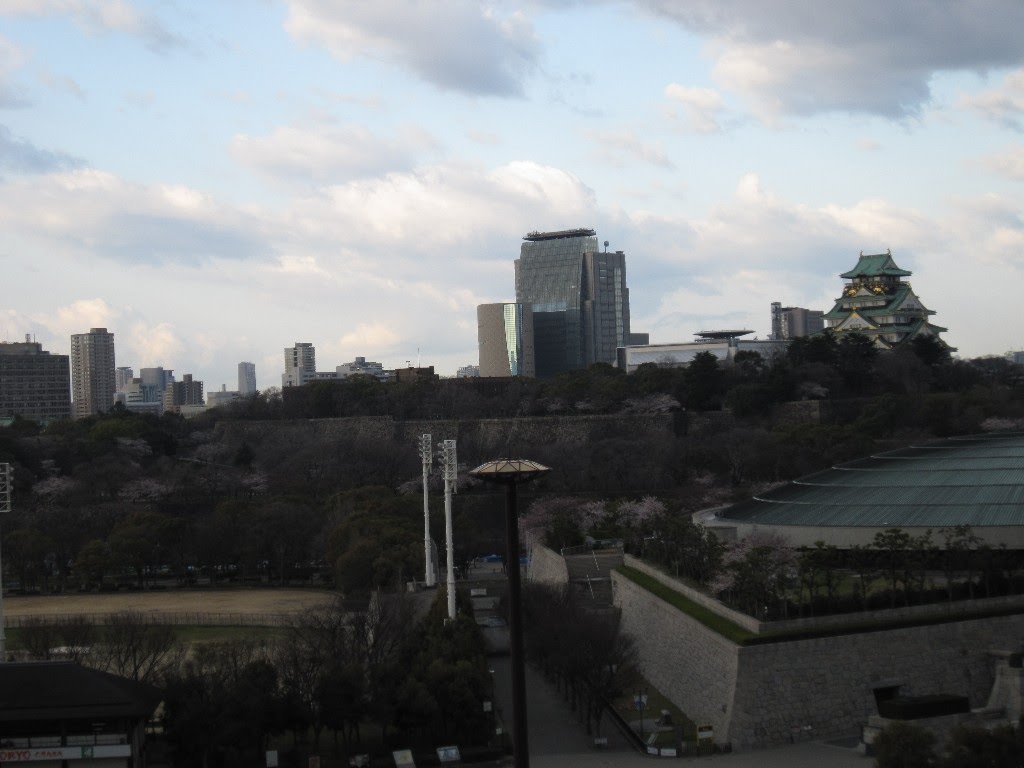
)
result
[(99, 16), (11, 59), (873, 56), (1009, 163), (149, 345), (1003, 105), (623, 148), (21, 156), (97, 213), (329, 154), (80, 316), (459, 45), (702, 108)]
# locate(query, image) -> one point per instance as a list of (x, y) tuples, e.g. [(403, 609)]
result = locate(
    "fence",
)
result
[(174, 618)]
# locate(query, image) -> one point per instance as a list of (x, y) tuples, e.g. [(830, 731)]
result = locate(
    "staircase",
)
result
[(590, 576)]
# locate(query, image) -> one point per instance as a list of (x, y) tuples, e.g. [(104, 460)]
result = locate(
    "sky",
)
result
[(215, 181)]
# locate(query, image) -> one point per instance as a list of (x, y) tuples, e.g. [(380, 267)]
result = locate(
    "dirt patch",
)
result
[(244, 601)]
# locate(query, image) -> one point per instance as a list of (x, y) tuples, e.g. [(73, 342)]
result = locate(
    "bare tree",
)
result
[(132, 647)]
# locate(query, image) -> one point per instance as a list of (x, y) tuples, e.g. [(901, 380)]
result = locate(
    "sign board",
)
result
[(478, 592), (403, 757), (640, 702), (488, 707), (271, 758), (668, 752), (705, 732), (449, 754), (36, 754), (652, 750)]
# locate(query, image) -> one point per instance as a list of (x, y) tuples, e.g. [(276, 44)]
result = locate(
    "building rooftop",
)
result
[(537, 236), (727, 334), (976, 480), (874, 265), (52, 690)]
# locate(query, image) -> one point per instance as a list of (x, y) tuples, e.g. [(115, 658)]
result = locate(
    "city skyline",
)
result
[(211, 192)]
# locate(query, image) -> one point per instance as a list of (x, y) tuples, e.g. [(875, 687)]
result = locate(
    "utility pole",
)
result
[(450, 469), (427, 456)]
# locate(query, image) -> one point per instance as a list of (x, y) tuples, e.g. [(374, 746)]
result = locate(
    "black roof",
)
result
[(537, 236), (55, 690)]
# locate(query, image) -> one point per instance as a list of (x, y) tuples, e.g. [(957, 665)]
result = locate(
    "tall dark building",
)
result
[(33, 383), (579, 298)]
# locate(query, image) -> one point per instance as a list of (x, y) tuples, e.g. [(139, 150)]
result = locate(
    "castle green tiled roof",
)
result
[(976, 481), (874, 266)]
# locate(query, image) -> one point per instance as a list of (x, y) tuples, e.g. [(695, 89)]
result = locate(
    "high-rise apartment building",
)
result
[(246, 379), (92, 372), (299, 365), (506, 335), (122, 378), (578, 296), (795, 322), (360, 366), (33, 383), (184, 392)]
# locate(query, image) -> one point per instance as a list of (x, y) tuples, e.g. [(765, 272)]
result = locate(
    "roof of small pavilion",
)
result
[(58, 690)]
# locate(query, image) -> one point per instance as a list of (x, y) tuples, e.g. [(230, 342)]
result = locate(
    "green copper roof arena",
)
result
[(976, 480)]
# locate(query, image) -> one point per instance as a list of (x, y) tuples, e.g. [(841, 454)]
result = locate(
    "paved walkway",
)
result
[(558, 739)]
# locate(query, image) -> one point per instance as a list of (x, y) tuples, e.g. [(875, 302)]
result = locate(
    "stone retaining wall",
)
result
[(488, 434), (547, 566), (687, 662), (756, 695)]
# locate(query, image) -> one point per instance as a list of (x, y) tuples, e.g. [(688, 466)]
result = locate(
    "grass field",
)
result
[(247, 601)]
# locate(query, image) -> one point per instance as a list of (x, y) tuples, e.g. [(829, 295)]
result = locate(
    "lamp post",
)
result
[(427, 457), (5, 506), (511, 472)]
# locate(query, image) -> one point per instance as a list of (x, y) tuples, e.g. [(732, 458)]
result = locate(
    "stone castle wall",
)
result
[(756, 695), (687, 662), (828, 683), (547, 566), (487, 434)]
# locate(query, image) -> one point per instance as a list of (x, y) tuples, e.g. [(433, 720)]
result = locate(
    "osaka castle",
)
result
[(880, 304)]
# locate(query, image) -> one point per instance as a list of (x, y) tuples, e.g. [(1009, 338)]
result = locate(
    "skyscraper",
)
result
[(505, 333), (299, 364), (246, 379), (92, 372), (579, 299)]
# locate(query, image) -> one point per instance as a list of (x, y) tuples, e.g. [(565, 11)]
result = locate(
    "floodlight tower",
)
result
[(450, 470), (5, 506), (427, 456)]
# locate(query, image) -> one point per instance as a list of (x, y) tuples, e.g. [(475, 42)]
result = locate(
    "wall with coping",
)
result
[(755, 696), (693, 666), (737, 617), (547, 566)]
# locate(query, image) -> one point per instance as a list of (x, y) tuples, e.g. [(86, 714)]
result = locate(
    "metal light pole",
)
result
[(427, 456), (5, 506), (450, 468), (510, 472)]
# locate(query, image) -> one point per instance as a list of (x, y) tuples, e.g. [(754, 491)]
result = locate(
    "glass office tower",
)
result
[(579, 298), (505, 332)]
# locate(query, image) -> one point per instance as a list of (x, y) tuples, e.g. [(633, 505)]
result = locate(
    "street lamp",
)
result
[(511, 472), (5, 506)]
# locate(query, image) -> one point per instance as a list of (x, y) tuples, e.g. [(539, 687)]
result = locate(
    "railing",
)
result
[(173, 618), (586, 549)]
